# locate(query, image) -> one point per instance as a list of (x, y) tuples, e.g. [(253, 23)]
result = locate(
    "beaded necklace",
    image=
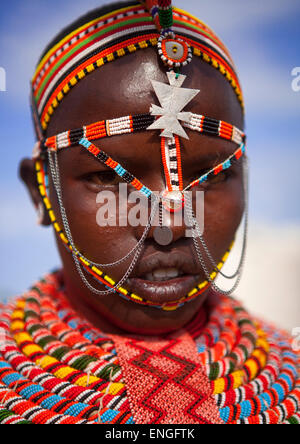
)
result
[(225, 367)]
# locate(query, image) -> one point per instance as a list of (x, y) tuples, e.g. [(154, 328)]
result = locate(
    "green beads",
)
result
[(166, 18)]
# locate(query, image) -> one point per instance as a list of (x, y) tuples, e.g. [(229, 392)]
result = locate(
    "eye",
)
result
[(213, 179), (218, 178), (104, 178)]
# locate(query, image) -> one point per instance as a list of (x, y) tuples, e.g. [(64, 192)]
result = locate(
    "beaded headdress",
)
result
[(118, 31)]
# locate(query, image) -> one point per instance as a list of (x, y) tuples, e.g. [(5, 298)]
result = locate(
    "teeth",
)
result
[(163, 274)]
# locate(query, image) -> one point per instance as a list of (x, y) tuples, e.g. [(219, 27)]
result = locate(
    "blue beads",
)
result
[(27, 392), (120, 170), (279, 391), (109, 415), (226, 164), (84, 142), (203, 178), (50, 402), (224, 414), (76, 409), (146, 191), (287, 380), (245, 409), (13, 377), (130, 421)]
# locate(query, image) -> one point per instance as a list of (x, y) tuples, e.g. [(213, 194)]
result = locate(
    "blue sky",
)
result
[(264, 41)]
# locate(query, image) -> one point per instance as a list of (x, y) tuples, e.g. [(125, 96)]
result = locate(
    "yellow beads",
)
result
[(136, 297)]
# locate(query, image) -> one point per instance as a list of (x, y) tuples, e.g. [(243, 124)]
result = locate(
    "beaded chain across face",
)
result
[(170, 119)]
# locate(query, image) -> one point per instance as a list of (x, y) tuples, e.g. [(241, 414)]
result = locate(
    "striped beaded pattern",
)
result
[(140, 122), (214, 127), (219, 168), (56, 368), (165, 14), (98, 130), (110, 37), (102, 277), (171, 159), (116, 167)]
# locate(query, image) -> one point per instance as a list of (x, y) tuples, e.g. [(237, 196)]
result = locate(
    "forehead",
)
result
[(124, 87)]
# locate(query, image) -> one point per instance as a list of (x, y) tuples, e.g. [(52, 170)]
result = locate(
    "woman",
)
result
[(134, 328)]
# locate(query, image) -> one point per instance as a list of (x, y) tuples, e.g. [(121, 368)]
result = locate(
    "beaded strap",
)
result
[(130, 124), (116, 167), (219, 168), (170, 148)]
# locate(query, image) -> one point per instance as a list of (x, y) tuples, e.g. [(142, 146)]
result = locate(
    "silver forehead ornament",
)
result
[(173, 99)]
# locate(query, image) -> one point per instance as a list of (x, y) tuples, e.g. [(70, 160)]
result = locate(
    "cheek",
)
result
[(97, 242), (223, 211)]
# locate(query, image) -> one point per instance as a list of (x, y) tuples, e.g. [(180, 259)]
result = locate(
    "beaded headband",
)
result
[(115, 34), (53, 80)]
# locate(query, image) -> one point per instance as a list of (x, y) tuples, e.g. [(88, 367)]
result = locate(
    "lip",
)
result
[(175, 259), (162, 292)]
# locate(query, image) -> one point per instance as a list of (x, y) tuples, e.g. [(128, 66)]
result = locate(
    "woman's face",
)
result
[(119, 89)]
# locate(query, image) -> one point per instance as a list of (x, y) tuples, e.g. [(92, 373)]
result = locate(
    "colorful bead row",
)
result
[(61, 89), (260, 385), (171, 159), (140, 122), (110, 37), (219, 168), (67, 398), (116, 167), (214, 127), (97, 130), (77, 37), (165, 13)]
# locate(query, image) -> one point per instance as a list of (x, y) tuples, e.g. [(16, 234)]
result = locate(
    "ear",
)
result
[(28, 175)]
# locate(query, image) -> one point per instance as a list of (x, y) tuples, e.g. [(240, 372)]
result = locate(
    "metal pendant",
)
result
[(163, 235), (173, 200)]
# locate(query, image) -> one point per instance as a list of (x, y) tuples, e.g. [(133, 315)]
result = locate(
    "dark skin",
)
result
[(118, 89)]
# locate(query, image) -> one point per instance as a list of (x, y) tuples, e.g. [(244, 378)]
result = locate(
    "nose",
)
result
[(167, 225)]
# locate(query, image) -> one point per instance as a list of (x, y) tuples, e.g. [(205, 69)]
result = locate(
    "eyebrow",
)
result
[(198, 157), (119, 157), (217, 155)]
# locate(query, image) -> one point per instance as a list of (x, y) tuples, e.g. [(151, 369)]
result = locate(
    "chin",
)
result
[(143, 320)]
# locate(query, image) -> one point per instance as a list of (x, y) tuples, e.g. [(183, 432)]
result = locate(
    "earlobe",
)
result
[(28, 176)]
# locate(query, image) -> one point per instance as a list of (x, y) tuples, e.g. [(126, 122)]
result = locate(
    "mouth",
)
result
[(163, 274), (164, 285)]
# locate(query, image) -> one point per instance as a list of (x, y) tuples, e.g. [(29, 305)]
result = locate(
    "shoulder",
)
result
[(253, 365)]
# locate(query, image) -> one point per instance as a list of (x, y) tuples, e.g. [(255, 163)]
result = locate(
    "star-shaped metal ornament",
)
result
[(173, 99)]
